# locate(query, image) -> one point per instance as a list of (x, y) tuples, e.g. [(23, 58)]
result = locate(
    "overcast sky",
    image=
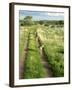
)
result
[(40, 15)]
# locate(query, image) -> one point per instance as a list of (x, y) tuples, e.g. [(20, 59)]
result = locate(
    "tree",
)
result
[(28, 20), (61, 22), (41, 22)]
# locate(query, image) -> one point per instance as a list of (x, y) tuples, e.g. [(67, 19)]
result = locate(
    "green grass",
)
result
[(53, 40), (33, 66), (23, 39), (55, 60)]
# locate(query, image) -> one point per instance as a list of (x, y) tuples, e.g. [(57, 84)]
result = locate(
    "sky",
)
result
[(41, 15)]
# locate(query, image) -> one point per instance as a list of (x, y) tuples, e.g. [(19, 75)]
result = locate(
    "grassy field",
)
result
[(33, 66), (52, 40)]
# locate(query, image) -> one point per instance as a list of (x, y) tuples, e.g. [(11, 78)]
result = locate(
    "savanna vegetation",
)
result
[(46, 34)]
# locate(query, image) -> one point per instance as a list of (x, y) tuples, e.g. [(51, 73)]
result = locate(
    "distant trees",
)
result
[(28, 20), (41, 22), (61, 22)]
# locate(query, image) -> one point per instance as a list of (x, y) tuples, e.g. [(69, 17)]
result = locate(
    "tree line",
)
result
[(28, 21)]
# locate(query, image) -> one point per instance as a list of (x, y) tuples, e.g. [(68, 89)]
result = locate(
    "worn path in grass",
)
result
[(22, 59), (21, 62), (48, 72), (44, 62)]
